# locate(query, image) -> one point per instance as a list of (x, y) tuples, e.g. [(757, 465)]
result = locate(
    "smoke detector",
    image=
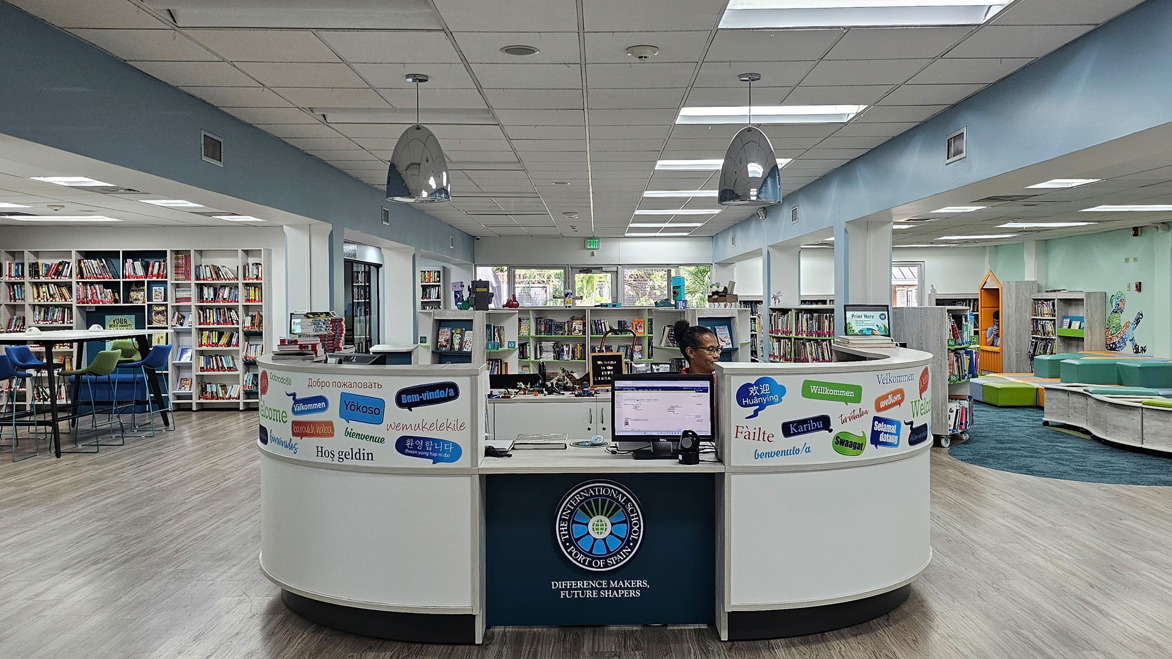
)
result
[(643, 53), (520, 50)]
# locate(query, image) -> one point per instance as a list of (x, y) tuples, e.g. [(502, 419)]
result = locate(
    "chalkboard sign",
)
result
[(603, 367)]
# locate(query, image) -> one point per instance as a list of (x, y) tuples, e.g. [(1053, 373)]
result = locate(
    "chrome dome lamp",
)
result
[(419, 171), (749, 175)]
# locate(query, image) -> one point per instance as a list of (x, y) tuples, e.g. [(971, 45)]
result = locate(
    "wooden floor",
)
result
[(151, 551)]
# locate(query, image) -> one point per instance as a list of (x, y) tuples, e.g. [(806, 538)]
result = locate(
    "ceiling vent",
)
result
[(114, 190), (212, 148), (1005, 198)]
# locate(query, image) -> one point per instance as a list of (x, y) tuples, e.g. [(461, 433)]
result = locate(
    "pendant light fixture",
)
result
[(419, 171), (749, 175)]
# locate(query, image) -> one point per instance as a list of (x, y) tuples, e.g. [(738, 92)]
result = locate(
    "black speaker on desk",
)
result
[(689, 448)]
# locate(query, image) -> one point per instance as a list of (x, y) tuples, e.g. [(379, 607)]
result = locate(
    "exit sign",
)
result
[(591, 243)]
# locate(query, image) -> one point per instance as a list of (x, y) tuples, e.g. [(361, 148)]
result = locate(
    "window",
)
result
[(497, 277), (696, 286), (539, 287), (594, 286), (643, 287), (905, 284)]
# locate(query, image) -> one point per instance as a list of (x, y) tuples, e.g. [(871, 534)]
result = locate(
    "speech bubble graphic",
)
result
[(760, 394), (918, 434), (264, 435), (308, 404), (264, 382), (893, 398), (835, 391), (363, 409), (428, 448), (408, 398), (806, 426), (848, 443), (923, 381), (885, 432), (313, 429)]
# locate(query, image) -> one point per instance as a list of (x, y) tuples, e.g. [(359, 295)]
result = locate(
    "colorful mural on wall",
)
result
[(1120, 333)]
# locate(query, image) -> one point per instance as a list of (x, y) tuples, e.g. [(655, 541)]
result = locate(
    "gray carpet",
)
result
[(1014, 439)]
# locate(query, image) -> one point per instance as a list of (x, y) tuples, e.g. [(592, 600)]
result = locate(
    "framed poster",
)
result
[(603, 366)]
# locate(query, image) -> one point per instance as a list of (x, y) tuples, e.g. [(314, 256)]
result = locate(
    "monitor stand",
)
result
[(657, 451)]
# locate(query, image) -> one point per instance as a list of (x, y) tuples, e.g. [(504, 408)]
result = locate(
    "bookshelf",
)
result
[(484, 338), (801, 334), (178, 294), (756, 336), (1068, 321), (966, 300), (946, 333), (432, 282)]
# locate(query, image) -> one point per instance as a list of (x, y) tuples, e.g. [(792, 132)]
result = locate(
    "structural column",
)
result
[(782, 275), (862, 265)]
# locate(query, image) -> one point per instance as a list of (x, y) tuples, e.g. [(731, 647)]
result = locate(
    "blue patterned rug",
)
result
[(1014, 439)]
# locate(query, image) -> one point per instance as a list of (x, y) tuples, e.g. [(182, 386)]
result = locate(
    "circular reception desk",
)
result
[(380, 515)]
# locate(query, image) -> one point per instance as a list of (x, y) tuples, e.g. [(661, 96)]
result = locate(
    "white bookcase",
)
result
[(432, 287)]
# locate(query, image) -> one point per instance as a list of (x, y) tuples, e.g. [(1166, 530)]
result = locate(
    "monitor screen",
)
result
[(867, 320), (652, 407), (294, 323)]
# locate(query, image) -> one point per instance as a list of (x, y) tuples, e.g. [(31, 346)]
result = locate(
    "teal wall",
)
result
[(1008, 262)]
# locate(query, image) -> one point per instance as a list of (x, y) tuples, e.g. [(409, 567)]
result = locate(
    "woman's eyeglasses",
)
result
[(712, 350)]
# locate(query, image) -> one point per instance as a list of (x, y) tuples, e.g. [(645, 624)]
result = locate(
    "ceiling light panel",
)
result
[(1042, 225), (1130, 208), (682, 194), (993, 236), (770, 114), (5, 204), (1062, 183), (60, 218), (959, 209), (73, 181), (172, 203), (649, 225), (238, 218), (700, 165), (301, 14), (764, 14)]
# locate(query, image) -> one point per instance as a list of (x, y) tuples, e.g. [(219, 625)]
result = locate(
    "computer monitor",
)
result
[(867, 319), (649, 411)]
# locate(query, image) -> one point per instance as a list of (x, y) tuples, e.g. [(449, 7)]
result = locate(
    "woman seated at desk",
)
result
[(699, 346)]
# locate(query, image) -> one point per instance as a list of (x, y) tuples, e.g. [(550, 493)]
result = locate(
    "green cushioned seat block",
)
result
[(1158, 402), (1049, 366), (1122, 391), (1010, 394), (1090, 371), (1143, 373)]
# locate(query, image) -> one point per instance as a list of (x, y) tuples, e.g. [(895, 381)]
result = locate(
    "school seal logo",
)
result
[(599, 525)]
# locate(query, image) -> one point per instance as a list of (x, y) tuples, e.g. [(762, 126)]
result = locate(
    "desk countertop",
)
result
[(589, 460)]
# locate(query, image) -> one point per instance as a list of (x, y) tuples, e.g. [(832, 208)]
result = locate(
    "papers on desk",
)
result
[(499, 444), (549, 441)]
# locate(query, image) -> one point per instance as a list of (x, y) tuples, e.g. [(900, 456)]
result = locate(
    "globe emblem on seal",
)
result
[(599, 525)]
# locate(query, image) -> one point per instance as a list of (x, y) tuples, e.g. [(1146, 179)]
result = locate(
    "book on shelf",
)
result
[(184, 384), (639, 327), (184, 355), (443, 338), (466, 346), (723, 336), (158, 314), (182, 294), (457, 339), (158, 292), (523, 326)]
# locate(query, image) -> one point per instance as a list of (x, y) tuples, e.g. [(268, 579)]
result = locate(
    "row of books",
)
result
[(254, 321), (12, 270), (217, 316), (430, 277), (783, 349), (251, 380), (575, 326), (498, 367), (50, 269), (51, 293), (1041, 327), (219, 294), (962, 365), (252, 351), (253, 294), (96, 269), (796, 322), (1046, 308), (602, 326), (218, 339), (960, 334), (52, 316), (182, 294), (559, 351), (144, 269), (629, 352), (1072, 322), (96, 294), (495, 336), (217, 363), (182, 267), (16, 293), (14, 324), (214, 391), (253, 271), (960, 413), (1041, 346), (454, 338), (213, 272)]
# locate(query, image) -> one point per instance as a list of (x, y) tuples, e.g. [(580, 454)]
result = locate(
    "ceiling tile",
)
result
[(773, 74), (535, 99), (92, 13), (527, 146), (611, 47), (541, 117), (298, 130), (702, 96), (620, 15), (963, 71), (528, 76), (931, 94), (333, 98), (865, 72), (394, 76), (301, 74), (541, 132), (860, 142), (265, 45), (553, 47), (197, 74), (1062, 12), (617, 99), (897, 43), (240, 97), (535, 15), (631, 117), (639, 75), (771, 45), (392, 46), (147, 45), (998, 41), (442, 131), (321, 143), (438, 98), (266, 115), (838, 95), (628, 132)]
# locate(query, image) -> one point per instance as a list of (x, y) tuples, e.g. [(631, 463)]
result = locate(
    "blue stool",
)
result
[(8, 372), (158, 360), (23, 359)]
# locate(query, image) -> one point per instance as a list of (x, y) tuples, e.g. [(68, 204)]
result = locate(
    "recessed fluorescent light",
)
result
[(682, 211), (73, 181), (959, 209), (172, 203), (665, 194), (4, 204), (901, 226), (713, 165), (764, 14), (60, 218), (238, 218), (1041, 225), (656, 235), (1133, 208), (919, 245), (992, 236), (648, 225), (830, 239), (1065, 183), (770, 114)]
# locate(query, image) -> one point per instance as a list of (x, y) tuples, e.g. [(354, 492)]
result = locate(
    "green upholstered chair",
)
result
[(1007, 393), (101, 367), (1145, 373), (128, 349)]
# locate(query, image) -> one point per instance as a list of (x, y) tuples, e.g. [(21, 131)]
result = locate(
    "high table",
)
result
[(49, 339)]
